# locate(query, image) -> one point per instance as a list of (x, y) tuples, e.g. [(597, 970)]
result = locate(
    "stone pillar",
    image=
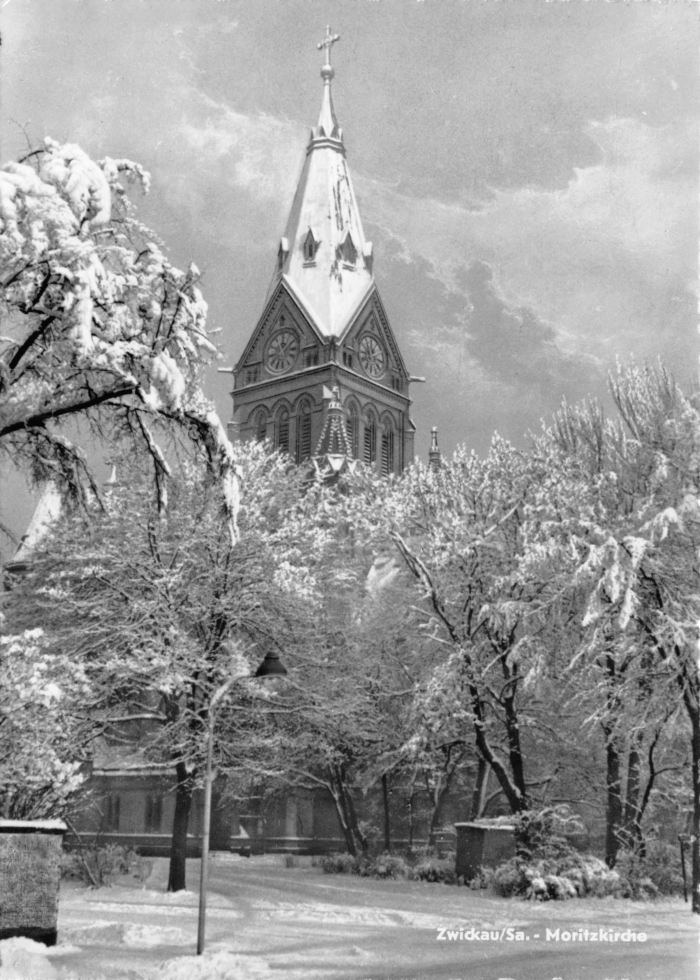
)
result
[(30, 875), (482, 845)]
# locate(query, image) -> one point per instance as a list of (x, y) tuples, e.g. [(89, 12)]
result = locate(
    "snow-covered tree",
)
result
[(458, 532), (617, 523), (97, 325), (162, 608), (42, 720)]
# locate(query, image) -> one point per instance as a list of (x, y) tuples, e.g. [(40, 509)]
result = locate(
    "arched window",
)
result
[(388, 448), (283, 430), (370, 446), (260, 425), (303, 448), (352, 427)]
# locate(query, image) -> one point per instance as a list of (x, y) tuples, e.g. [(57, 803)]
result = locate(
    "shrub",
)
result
[(385, 866), (335, 864), (435, 869), (567, 876), (510, 879), (548, 867), (426, 868), (657, 872), (662, 863), (544, 833), (482, 878), (99, 866)]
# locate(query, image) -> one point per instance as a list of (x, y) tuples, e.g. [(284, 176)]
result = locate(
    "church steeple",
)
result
[(324, 258), (322, 376)]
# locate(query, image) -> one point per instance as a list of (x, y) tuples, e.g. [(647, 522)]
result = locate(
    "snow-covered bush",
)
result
[(100, 866), (436, 870), (386, 866), (510, 878), (566, 876), (335, 864), (662, 864), (657, 872), (392, 866), (545, 832)]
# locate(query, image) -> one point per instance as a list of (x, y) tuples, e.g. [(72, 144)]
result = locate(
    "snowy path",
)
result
[(268, 922)]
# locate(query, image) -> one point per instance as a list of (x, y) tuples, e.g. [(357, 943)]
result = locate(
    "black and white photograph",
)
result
[(349, 490)]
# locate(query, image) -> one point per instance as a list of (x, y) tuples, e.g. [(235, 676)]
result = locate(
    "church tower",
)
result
[(323, 356)]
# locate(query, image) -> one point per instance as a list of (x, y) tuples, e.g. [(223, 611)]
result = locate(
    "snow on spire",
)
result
[(331, 280)]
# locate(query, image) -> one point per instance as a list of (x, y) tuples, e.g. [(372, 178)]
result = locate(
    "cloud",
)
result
[(497, 362), (261, 154), (599, 261), (526, 299)]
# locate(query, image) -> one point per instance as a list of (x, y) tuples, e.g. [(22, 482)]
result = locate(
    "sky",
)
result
[(526, 170)]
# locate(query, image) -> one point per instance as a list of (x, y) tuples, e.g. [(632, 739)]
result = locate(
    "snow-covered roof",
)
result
[(47, 511), (325, 257), (24, 826)]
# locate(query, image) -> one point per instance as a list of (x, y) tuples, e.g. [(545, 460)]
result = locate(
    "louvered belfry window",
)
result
[(388, 450), (283, 431), (261, 426), (304, 433), (351, 427), (370, 447)]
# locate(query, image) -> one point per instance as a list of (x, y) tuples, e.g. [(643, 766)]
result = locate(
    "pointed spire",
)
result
[(434, 456), (324, 260)]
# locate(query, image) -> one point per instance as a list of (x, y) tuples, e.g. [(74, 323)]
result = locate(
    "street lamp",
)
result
[(272, 668)]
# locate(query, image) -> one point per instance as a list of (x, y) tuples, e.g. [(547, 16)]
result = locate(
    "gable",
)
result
[(372, 321), (282, 341)]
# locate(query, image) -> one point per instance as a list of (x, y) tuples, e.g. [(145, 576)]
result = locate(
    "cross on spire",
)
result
[(327, 43)]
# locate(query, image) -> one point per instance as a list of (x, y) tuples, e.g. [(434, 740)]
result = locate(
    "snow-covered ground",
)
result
[(269, 922)]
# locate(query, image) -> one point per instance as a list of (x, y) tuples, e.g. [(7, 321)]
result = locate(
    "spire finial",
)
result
[(327, 43)]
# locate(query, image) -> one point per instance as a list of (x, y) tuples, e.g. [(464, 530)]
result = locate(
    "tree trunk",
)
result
[(480, 786), (515, 749), (692, 704), (411, 826), (342, 820), (178, 846), (387, 814), (613, 814), (355, 840), (631, 824), (647, 792), (513, 783), (361, 839)]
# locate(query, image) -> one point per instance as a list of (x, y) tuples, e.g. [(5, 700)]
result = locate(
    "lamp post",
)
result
[(272, 668)]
